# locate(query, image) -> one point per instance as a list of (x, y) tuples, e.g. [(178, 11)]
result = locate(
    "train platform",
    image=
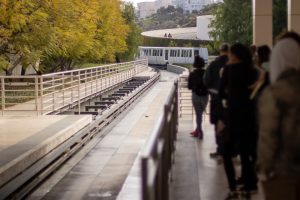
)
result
[(24, 140), (196, 176)]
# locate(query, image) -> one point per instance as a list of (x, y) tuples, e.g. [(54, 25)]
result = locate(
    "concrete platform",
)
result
[(195, 175), (24, 140)]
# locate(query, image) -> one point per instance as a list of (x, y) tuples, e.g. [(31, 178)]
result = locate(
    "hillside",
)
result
[(172, 17)]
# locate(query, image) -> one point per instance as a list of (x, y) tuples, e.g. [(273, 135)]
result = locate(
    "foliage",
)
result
[(134, 38), (232, 22), (279, 16), (24, 32), (171, 17), (58, 34)]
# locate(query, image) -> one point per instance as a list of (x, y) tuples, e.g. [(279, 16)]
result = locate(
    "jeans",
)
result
[(199, 103)]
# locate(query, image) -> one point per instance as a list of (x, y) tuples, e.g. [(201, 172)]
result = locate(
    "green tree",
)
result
[(279, 16), (134, 38), (232, 22)]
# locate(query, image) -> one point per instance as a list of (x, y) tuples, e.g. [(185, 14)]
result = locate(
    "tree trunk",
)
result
[(23, 71)]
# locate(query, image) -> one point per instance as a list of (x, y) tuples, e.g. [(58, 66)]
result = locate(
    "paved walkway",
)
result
[(195, 175)]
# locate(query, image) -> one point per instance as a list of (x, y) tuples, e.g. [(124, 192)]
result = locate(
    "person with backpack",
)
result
[(279, 123), (237, 119), (212, 79), (199, 94)]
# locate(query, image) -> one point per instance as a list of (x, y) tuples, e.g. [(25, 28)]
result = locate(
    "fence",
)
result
[(185, 105), (185, 97), (40, 95), (157, 156)]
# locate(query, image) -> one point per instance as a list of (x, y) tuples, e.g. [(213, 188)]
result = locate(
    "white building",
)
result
[(202, 27), (190, 5), (148, 8)]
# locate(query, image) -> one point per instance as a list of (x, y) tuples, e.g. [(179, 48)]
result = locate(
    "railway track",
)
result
[(105, 108)]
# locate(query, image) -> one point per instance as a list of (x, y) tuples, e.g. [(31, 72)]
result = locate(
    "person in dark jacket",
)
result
[(211, 79), (199, 93), (235, 89)]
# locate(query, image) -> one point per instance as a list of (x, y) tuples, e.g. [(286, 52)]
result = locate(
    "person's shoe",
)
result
[(200, 135), (194, 133), (232, 195), (214, 155), (250, 190)]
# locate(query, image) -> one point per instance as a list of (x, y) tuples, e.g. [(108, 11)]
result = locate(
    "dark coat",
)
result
[(195, 82), (212, 79), (212, 76), (235, 91)]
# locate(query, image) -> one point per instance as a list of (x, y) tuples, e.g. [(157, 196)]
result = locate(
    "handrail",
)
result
[(185, 106), (44, 94), (157, 156)]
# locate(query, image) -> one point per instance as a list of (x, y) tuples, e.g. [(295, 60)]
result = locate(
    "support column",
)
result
[(263, 22), (294, 15)]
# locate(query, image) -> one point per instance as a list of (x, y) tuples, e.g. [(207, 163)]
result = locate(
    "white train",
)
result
[(171, 55)]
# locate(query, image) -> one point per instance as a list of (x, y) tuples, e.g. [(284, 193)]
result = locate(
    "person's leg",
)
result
[(213, 120), (197, 106), (228, 164), (202, 106), (249, 177)]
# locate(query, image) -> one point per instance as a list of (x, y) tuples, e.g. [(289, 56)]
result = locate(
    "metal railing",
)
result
[(157, 157), (44, 94), (184, 97)]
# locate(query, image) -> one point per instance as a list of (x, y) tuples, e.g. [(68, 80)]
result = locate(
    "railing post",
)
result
[(79, 93), (3, 94), (63, 89), (42, 94), (36, 84), (72, 98), (53, 94)]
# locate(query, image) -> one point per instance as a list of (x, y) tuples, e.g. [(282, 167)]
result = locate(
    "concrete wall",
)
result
[(177, 69)]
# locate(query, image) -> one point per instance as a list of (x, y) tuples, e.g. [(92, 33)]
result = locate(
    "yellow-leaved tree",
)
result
[(24, 33), (85, 31), (56, 35)]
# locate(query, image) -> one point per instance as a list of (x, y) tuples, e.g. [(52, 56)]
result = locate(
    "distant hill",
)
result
[(171, 17)]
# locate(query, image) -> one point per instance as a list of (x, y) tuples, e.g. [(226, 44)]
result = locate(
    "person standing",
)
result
[(211, 79), (199, 94), (239, 118), (279, 123)]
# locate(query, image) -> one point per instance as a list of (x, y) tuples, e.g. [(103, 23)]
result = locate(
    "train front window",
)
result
[(166, 54)]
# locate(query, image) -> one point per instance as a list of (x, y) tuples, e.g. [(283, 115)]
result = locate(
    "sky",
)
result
[(136, 1)]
